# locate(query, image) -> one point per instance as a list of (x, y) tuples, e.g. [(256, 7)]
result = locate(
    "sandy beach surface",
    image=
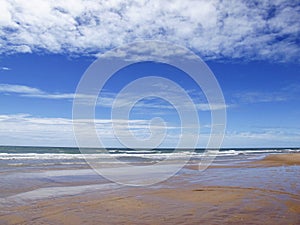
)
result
[(280, 160), (261, 192)]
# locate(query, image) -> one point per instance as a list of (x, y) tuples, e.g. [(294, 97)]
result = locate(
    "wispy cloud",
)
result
[(26, 91), (154, 103), (287, 93), (107, 99), (258, 97), (4, 68), (263, 138), (164, 97), (215, 29), (26, 129), (19, 89)]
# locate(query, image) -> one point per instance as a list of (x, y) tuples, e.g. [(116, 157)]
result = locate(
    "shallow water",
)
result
[(29, 179)]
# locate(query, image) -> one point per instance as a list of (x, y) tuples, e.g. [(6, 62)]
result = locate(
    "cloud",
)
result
[(22, 129), (286, 93), (4, 68), (265, 138), (162, 96), (20, 89), (106, 99), (215, 29), (25, 129), (26, 91), (149, 51), (263, 97)]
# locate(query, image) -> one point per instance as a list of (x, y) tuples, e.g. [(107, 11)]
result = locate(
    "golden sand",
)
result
[(280, 159), (190, 205)]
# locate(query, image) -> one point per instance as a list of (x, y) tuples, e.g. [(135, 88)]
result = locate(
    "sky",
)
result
[(251, 47)]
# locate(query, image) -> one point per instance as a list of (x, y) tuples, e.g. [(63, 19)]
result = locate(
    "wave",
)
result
[(152, 154), (256, 151)]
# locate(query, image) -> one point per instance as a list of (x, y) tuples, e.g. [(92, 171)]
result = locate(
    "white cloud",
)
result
[(286, 93), (26, 91), (4, 68), (165, 97), (107, 98), (216, 29), (257, 97), (24, 129), (20, 89), (209, 107), (264, 138)]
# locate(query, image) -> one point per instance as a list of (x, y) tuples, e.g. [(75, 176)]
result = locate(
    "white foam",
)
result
[(143, 154)]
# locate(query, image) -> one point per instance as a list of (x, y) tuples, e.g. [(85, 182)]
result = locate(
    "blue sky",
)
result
[(252, 49)]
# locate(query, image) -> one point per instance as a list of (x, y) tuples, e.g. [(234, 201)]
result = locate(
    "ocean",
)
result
[(20, 157), (30, 167)]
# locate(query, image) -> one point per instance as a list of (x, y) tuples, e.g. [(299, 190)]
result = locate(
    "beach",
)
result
[(264, 189), (280, 160)]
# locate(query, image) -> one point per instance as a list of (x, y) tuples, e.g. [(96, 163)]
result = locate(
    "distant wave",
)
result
[(38, 154)]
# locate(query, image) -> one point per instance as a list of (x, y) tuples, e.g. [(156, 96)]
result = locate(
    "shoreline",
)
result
[(258, 192), (280, 159), (273, 159)]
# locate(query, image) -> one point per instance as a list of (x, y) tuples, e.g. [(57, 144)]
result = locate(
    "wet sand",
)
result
[(280, 160), (207, 205), (179, 200)]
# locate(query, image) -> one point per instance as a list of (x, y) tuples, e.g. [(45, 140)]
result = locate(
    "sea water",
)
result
[(41, 172)]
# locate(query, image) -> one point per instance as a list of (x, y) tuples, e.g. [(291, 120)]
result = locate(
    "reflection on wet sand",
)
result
[(256, 194)]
